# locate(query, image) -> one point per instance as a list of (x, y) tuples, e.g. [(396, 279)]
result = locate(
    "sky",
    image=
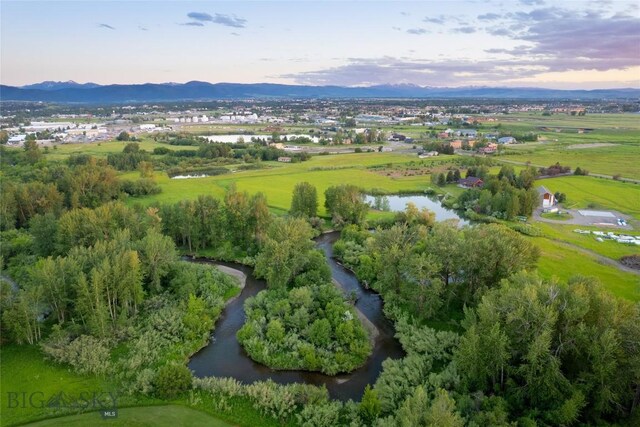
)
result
[(539, 43)]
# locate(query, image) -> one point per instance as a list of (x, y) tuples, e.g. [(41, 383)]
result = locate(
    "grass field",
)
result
[(151, 416), (23, 369), (563, 262), (596, 193), (278, 181), (101, 149), (611, 160)]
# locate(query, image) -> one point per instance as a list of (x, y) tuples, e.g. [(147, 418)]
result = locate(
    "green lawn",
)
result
[(556, 216), (590, 192), (278, 181), (563, 262), (152, 416), (24, 370)]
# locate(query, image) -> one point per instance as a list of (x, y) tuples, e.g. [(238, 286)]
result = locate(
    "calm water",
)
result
[(399, 203), (232, 139), (225, 357)]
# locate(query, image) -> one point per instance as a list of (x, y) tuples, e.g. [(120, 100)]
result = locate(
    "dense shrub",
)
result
[(87, 355), (172, 380), (307, 327), (140, 187)]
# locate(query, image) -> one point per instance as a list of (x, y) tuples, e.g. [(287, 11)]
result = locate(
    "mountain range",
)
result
[(72, 92)]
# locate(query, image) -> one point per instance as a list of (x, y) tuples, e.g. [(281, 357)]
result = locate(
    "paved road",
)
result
[(579, 219)]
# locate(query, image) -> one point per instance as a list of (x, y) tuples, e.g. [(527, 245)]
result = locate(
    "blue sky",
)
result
[(573, 44)]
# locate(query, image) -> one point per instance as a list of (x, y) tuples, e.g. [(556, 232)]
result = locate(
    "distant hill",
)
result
[(51, 85), (71, 92)]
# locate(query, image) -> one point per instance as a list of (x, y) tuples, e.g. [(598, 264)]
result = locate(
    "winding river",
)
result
[(225, 357)]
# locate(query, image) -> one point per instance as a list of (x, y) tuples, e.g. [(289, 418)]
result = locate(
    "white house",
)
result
[(547, 197), (507, 140), (17, 139)]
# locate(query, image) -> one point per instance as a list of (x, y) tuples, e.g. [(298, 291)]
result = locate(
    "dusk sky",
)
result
[(542, 43)]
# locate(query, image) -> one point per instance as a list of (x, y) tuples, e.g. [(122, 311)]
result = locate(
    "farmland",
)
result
[(560, 140)]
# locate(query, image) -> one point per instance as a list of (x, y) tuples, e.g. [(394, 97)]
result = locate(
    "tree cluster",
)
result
[(302, 321)]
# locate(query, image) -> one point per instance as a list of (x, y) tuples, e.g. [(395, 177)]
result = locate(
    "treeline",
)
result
[(426, 267), (233, 226), (440, 147), (452, 176), (82, 182)]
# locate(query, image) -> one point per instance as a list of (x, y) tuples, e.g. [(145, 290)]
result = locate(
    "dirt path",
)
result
[(601, 259)]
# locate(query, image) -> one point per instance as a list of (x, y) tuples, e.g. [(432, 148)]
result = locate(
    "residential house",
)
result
[(507, 140), (491, 148), (547, 198), (457, 144), (469, 133), (470, 182), (424, 155)]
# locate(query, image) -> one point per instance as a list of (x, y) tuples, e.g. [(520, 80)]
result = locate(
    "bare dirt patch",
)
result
[(631, 261)]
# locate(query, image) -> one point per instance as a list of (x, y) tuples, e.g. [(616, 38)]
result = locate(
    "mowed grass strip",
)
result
[(146, 416)]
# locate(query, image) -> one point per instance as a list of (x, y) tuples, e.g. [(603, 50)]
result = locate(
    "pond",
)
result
[(190, 176), (225, 357), (233, 139), (398, 203)]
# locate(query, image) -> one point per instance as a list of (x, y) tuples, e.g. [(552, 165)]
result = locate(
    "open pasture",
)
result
[(102, 149), (561, 261), (278, 181), (561, 140), (595, 193)]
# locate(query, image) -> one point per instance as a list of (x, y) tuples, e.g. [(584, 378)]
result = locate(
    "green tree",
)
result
[(284, 251), (157, 253), (32, 151), (320, 332), (304, 202), (123, 136), (442, 411), (21, 319), (346, 204), (369, 405)]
